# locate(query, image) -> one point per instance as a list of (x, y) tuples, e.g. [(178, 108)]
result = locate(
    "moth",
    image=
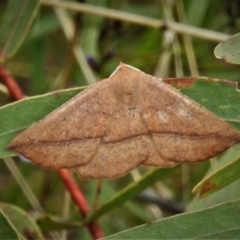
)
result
[(119, 123)]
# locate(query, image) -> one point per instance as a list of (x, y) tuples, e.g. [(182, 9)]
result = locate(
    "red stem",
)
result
[(68, 180), (80, 200), (10, 83)]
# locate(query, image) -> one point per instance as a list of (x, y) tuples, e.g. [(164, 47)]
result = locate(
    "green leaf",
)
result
[(129, 192), (228, 193), (15, 26), (224, 194), (221, 177), (18, 116), (23, 223), (194, 17), (6, 230), (218, 222), (229, 49), (42, 28)]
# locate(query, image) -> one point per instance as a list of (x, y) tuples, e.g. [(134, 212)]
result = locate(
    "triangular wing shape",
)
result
[(119, 123), (69, 136), (161, 124), (181, 129)]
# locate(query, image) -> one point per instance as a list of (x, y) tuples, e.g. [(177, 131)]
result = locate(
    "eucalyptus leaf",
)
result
[(217, 222), (221, 177), (229, 49), (6, 230), (15, 25), (22, 221)]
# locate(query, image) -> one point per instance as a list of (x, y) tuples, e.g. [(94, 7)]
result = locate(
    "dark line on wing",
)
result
[(61, 142), (101, 138), (152, 139)]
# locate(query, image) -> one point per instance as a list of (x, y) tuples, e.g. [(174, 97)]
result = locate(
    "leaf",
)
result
[(216, 222), (229, 49), (229, 193), (90, 35), (221, 177), (224, 194), (24, 224), (15, 25), (18, 116), (6, 230), (196, 18), (129, 192)]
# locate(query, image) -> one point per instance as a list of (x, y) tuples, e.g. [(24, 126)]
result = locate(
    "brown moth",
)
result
[(129, 119)]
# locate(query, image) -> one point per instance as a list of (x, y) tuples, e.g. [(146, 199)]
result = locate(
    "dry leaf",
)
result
[(129, 119)]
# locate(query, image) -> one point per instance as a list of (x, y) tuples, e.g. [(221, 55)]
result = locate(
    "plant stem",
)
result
[(81, 201), (11, 84), (136, 19)]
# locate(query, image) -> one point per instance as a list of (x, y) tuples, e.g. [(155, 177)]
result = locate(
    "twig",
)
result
[(189, 49), (168, 205), (23, 184), (27, 190), (74, 190), (99, 189), (68, 29), (137, 19), (10, 83), (81, 201)]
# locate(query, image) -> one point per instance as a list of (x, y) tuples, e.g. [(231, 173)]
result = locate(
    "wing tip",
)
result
[(125, 66)]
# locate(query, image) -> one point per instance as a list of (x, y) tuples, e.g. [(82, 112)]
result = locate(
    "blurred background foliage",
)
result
[(46, 62)]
